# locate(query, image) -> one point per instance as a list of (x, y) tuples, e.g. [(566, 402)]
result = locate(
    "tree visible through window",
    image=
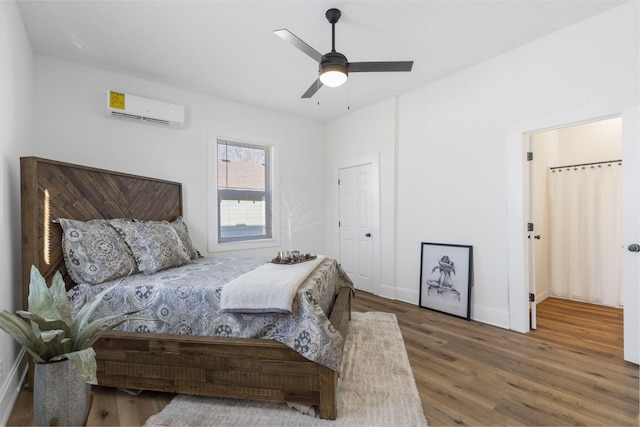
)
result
[(244, 192)]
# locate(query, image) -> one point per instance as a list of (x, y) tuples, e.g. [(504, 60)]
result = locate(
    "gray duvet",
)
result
[(186, 300)]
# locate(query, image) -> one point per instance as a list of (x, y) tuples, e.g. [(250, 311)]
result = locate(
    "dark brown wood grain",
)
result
[(52, 190)]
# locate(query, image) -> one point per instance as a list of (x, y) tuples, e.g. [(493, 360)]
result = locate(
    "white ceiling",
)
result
[(227, 49)]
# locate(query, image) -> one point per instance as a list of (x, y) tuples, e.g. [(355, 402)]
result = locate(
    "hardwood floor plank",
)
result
[(570, 371), (104, 408)]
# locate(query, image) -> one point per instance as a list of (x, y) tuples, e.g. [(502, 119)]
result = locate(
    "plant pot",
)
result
[(60, 395)]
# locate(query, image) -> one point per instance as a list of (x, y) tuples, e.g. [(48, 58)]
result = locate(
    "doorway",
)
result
[(576, 206), (626, 107)]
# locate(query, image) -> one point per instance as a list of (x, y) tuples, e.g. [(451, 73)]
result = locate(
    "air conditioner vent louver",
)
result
[(143, 110), (140, 118)]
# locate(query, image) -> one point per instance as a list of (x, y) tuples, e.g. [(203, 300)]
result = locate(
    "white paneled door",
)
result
[(356, 215)]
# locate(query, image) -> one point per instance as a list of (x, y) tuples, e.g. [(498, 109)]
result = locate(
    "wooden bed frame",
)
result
[(254, 369)]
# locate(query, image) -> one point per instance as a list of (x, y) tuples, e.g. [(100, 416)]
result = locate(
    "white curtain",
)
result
[(586, 233)]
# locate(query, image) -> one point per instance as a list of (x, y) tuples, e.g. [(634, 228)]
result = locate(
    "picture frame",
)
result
[(446, 278)]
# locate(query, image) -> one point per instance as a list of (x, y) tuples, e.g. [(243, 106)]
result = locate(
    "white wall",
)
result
[(590, 142), (16, 120), (71, 126), (451, 162)]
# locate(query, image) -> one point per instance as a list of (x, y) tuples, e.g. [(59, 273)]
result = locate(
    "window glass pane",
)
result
[(242, 218), (241, 167), (244, 199)]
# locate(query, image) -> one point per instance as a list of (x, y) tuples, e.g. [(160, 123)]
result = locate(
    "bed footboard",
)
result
[(254, 369)]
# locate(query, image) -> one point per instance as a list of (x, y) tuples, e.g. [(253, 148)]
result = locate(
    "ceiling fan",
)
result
[(334, 68)]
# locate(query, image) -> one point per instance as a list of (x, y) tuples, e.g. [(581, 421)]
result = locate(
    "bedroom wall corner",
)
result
[(16, 116)]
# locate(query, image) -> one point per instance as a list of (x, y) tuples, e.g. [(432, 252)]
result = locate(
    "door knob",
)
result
[(634, 248), (367, 235)]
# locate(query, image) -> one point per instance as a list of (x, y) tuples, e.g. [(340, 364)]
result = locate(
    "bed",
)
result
[(241, 368)]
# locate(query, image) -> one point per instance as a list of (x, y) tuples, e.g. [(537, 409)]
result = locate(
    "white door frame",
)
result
[(374, 160), (625, 106)]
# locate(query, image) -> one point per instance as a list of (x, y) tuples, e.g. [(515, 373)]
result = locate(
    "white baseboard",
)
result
[(10, 389), (409, 296), (387, 291), (482, 314), (542, 296), (490, 316)]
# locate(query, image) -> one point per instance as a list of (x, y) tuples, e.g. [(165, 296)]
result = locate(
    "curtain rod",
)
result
[(585, 164)]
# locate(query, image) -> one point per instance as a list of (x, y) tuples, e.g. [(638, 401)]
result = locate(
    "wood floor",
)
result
[(570, 371)]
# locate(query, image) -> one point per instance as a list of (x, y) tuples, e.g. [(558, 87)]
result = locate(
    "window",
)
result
[(241, 194), (244, 192)]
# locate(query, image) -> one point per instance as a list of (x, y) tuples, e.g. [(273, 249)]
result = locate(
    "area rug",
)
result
[(376, 388)]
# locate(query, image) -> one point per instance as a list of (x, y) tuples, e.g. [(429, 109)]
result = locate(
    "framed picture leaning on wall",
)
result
[(446, 278)]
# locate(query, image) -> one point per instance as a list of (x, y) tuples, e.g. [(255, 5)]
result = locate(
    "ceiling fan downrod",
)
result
[(333, 15)]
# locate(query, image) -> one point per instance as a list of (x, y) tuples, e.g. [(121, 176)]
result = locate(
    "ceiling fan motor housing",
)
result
[(334, 61)]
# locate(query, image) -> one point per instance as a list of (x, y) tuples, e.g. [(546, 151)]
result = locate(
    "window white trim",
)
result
[(212, 191)]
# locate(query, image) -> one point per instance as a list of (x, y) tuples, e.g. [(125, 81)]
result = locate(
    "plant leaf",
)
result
[(48, 336), (20, 331), (86, 337), (45, 324), (53, 344), (58, 292), (40, 300), (87, 310), (85, 363)]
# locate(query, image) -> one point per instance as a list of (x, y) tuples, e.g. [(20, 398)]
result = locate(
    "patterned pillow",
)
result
[(183, 233), (94, 252), (155, 244)]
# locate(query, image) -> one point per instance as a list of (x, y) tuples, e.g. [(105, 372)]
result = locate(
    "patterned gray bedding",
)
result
[(186, 300)]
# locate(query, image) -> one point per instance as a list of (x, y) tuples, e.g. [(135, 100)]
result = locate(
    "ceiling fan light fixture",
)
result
[(333, 76), (334, 69)]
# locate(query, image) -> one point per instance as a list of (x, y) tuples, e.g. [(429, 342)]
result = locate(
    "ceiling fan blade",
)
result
[(297, 42), (362, 67), (312, 89)]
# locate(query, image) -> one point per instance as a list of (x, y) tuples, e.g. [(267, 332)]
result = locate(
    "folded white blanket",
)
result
[(269, 288)]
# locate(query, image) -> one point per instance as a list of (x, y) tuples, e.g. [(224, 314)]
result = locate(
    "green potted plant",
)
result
[(61, 347)]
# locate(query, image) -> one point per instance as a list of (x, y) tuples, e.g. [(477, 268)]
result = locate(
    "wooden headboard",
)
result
[(52, 189)]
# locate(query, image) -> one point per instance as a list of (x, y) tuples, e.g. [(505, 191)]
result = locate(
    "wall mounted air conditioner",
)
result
[(144, 110)]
